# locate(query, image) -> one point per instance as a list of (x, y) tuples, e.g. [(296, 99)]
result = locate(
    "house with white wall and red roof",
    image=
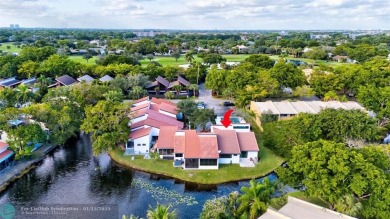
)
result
[(154, 127)]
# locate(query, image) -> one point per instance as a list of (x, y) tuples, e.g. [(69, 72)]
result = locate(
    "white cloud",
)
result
[(200, 14)]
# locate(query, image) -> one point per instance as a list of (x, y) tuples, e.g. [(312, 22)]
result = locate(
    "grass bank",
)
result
[(226, 173)]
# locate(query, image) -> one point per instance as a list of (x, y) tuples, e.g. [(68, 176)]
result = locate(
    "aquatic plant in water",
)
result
[(163, 194)]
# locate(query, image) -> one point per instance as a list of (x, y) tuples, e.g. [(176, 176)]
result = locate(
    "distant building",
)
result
[(286, 110)]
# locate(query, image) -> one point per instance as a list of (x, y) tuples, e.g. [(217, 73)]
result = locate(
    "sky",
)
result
[(198, 14)]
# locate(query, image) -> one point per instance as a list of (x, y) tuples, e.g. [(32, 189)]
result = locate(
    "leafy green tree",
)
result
[(137, 92), (261, 61), (189, 56), (171, 72), (107, 121), (28, 69), (322, 82), (254, 200), (188, 108), (161, 212), (176, 55), (221, 208), (212, 58), (57, 65), (348, 204), (303, 91), (87, 56), (288, 75), (202, 116), (376, 99), (316, 53), (216, 80), (114, 96), (121, 82), (23, 137), (194, 88), (24, 94), (330, 170), (169, 95), (8, 97)]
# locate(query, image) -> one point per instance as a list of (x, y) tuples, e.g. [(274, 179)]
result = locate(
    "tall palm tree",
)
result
[(169, 95), (193, 87), (161, 212), (24, 94), (255, 199), (348, 204), (189, 56), (177, 88)]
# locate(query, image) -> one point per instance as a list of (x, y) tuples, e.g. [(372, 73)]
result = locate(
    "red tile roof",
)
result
[(140, 133), (208, 146), (166, 137), (137, 124), (179, 143), (192, 144), (5, 154), (137, 113), (247, 141), (3, 145), (158, 101), (227, 141), (154, 107), (168, 108), (168, 120), (142, 99), (141, 106)]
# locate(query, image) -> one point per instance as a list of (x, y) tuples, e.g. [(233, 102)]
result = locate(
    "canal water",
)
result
[(72, 175)]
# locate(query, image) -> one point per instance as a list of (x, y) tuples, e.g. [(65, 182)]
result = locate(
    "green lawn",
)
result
[(13, 48), (80, 59), (268, 162)]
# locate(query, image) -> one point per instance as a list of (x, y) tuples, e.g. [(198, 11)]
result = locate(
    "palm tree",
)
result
[(177, 88), (348, 204), (157, 89), (193, 87), (255, 199), (189, 56), (24, 94), (160, 212), (169, 95), (137, 92)]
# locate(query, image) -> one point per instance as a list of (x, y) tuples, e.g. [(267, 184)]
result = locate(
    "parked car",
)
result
[(201, 105), (227, 103)]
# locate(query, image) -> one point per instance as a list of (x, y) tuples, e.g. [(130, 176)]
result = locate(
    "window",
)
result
[(143, 144), (225, 156), (208, 162), (138, 144), (165, 151), (240, 127), (283, 115), (178, 155), (244, 154)]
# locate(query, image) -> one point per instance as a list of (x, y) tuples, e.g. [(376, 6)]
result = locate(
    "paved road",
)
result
[(211, 103)]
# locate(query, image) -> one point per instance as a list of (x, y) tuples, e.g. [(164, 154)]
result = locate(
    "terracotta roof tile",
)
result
[(208, 146), (227, 141), (168, 108), (168, 120), (179, 143), (137, 124), (141, 106), (166, 137), (192, 144), (138, 113), (158, 101), (3, 145), (140, 133), (247, 141), (142, 99)]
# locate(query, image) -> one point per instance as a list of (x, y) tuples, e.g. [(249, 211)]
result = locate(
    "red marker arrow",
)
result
[(226, 118)]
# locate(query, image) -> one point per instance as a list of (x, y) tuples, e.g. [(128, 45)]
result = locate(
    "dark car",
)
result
[(227, 103)]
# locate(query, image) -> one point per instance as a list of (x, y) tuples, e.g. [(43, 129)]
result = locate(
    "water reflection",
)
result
[(72, 175)]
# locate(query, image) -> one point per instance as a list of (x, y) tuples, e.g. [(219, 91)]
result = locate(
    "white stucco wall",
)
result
[(140, 149), (234, 159), (140, 103)]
